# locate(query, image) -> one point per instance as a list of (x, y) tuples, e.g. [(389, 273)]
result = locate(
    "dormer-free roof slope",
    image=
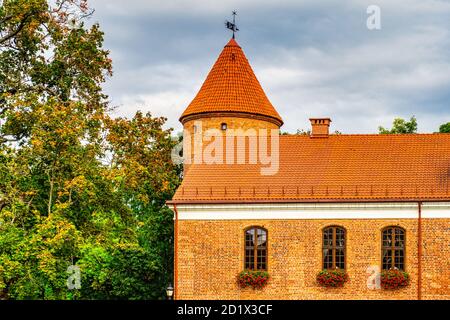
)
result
[(409, 167)]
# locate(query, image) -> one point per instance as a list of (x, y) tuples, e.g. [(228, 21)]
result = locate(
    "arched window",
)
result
[(255, 249), (393, 248), (333, 246)]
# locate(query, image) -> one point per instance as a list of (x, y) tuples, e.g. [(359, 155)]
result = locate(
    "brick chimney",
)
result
[(320, 127)]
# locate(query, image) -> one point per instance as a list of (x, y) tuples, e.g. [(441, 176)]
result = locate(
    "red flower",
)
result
[(332, 278), (394, 279), (254, 279)]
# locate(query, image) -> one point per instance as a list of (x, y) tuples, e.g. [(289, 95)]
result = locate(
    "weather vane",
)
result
[(232, 25)]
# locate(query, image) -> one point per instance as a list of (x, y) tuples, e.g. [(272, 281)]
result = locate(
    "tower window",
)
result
[(223, 126)]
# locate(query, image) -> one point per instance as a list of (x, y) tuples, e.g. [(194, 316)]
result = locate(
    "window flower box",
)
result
[(394, 279), (332, 278), (254, 279)]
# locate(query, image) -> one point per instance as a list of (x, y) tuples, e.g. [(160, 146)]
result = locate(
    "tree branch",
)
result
[(5, 19), (17, 31), (50, 196)]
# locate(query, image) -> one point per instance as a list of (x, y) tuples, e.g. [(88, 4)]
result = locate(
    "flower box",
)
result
[(394, 279), (254, 279), (332, 278)]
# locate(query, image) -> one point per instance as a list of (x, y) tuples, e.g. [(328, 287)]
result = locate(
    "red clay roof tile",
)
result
[(341, 168)]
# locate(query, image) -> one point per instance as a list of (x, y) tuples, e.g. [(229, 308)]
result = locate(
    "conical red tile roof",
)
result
[(231, 86)]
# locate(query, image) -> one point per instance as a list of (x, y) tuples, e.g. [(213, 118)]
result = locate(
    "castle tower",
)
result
[(230, 98)]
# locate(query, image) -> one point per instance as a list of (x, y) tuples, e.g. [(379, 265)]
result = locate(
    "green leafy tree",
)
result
[(400, 126), (77, 187), (47, 54), (445, 128)]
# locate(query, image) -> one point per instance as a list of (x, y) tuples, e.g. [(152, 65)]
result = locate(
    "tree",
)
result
[(142, 156), (47, 54), (77, 187), (445, 128), (400, 126)]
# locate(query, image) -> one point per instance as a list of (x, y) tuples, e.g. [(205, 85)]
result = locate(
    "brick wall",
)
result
[(232, 123), (436, 259), (235, 122), (210, 254)]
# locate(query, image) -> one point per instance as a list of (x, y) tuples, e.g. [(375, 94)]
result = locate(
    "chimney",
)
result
[(320, 127)]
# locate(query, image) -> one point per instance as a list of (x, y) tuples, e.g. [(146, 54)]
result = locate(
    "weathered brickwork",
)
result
[(211, 253), (248, 122), (436, 259), (232, 122)]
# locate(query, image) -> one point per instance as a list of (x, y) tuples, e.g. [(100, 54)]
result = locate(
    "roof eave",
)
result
[(409, 200)]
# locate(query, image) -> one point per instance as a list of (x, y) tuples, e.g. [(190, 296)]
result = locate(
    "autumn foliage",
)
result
[(77, 186)]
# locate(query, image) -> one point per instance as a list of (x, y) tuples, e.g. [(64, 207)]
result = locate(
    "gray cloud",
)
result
[(312, 58)]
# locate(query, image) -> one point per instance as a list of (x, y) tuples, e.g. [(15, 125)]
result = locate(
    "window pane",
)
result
[(327, 258), (328, 237), (399, 259), (399, 238), (340, 258), (250, 249), (261, 259), (340, 237), (262, 237), (249, 259), (249, 237), (387, 261), (387, 238)]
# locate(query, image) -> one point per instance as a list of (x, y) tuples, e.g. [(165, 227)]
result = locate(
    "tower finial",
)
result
[(232, 25)]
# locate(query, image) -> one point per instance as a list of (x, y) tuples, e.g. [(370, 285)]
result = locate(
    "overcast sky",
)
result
[(313, 58)]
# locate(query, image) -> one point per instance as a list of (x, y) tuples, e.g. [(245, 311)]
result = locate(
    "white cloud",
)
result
[(168, 104)]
